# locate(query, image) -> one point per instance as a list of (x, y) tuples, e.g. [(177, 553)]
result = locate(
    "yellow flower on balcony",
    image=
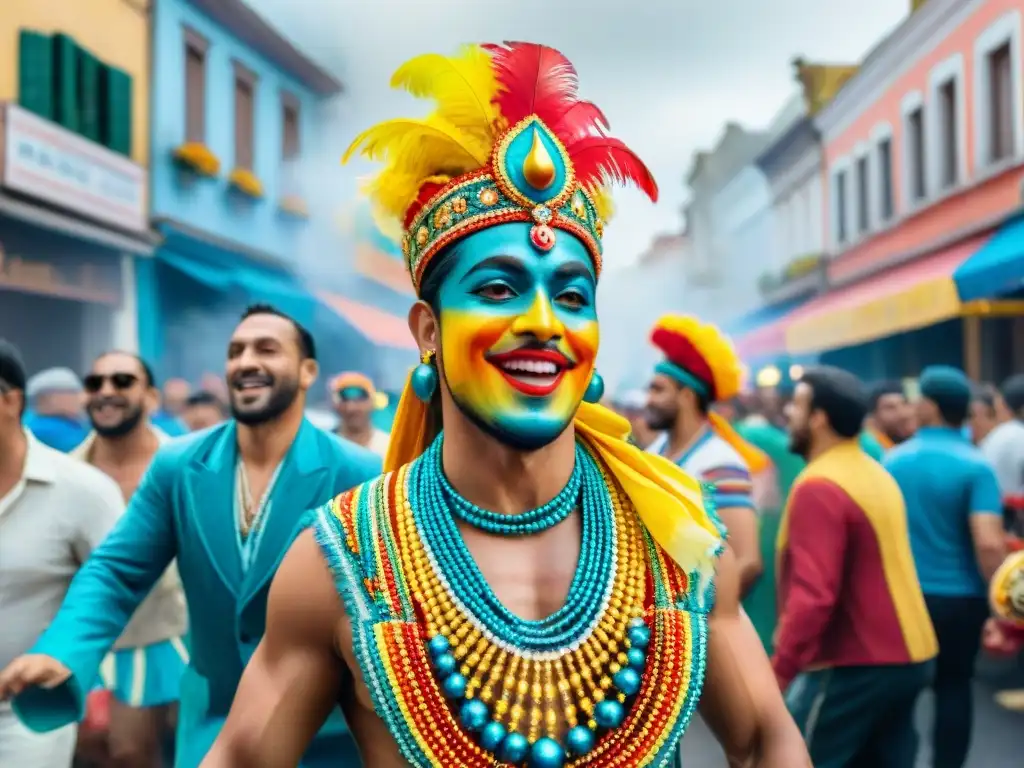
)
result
[(294, 205), (245, 181), (197, 158)]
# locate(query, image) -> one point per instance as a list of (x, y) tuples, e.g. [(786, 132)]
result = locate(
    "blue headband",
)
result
[(682, 376)]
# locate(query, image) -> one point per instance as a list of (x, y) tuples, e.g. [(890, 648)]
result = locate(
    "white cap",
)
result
[(52, 380)]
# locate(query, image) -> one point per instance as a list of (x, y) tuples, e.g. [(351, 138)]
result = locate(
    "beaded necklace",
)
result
[(610, 680)]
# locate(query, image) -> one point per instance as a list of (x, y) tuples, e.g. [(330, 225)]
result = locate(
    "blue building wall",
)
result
[(208, 204)]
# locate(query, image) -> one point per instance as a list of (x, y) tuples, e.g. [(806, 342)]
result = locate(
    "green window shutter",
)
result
[(89, 95), (116, 109), (65, 66), (35, 73)]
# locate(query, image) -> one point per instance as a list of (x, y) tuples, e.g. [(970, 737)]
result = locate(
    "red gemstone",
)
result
[(542, 237)]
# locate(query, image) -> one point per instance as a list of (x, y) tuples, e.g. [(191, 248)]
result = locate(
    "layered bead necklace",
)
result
[(536, 693)]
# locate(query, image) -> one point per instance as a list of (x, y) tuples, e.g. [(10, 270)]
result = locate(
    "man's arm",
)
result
[(742, 703), (732, 494), (986, 521), (293, 681), (51, 682), (811, 576)]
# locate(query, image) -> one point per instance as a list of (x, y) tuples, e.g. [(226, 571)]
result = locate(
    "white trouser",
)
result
[(21, 748)]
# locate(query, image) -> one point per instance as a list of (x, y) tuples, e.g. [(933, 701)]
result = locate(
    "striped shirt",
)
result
[(713, 461)]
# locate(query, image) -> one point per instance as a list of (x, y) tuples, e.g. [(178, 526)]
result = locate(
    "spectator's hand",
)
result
[(30, 671)]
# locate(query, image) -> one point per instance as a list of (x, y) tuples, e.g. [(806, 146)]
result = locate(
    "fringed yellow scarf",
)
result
[(668, 501)]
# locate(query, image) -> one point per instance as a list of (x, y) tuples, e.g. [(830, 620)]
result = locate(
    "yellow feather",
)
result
[(433, 141), (601, 195), (463, 87)]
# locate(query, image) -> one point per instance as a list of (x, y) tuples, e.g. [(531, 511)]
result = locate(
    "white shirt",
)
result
[(1004, 448), (56, 514), (379, 442)]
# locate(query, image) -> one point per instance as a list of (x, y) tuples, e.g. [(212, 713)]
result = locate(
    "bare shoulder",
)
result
[(302, 596)]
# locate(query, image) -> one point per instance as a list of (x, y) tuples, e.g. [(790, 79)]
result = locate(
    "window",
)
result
[(949, 146), (886, 207), (245, 109), (290, 144), (998, 111), (863, 206), (195, 87), (841, 233), (915, 155), (1000, 99)]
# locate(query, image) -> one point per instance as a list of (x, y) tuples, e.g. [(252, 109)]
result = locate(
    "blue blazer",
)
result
[(184, 509)]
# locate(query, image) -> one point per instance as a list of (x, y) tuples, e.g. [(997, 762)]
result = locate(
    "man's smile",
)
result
[(533, 372)]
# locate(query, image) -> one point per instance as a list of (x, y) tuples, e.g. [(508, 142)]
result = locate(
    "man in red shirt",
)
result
[(855, 644)]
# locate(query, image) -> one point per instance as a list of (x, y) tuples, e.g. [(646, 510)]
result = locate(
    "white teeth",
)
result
[(536, 367)]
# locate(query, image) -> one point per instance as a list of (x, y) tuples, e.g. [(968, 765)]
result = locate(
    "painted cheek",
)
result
[(465, 338)]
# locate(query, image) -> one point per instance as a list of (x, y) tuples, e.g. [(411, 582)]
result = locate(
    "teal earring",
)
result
[(424, 377), (595, 389)]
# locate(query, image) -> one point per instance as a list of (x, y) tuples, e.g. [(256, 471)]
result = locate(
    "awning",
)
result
[(997, 268), (378, 326), (761, 334), (908, 297)]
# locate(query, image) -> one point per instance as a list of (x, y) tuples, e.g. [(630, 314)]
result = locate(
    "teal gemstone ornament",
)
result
[(445, 664), (424, 377), (609, 714), (474, 715), (637, 658), (492, 736), (515, 749), (627, 680), (595, 389), (546, 753), (454, 686), (580, 740)]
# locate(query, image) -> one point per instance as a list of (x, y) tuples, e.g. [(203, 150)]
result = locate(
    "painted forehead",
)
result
[(513, 241)]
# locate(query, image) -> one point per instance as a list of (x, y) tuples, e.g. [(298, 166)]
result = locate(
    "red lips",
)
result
[(521, 365)]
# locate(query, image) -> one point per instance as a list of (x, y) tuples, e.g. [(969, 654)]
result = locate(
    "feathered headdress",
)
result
[(509, 140), (699, 356)]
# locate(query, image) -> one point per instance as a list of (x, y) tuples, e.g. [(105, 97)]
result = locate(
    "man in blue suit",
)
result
[(226, 502)]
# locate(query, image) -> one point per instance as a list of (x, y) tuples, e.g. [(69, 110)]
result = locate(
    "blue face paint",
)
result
[(519, 332)]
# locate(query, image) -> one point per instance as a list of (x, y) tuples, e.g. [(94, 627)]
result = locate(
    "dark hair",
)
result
[(12, 370), (950, 390), (985, 394), (437, 269), (307, 347), (203, 397), (147, 372), (840, 396), (882, 389), (1013, 394)]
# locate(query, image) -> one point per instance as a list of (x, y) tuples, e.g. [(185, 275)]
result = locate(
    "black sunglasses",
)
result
[(93, 383)]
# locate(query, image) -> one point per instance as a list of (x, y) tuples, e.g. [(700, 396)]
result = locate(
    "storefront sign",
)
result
[(47, 162), (37, 261)]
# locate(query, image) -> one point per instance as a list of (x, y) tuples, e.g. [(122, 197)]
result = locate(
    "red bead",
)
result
[(542, 237)]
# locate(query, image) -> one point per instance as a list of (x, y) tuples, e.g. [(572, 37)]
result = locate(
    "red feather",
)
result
[(597, 158), (535, 80), (579, 120)]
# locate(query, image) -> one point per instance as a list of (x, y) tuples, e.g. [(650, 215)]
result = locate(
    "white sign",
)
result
[(47, 162)]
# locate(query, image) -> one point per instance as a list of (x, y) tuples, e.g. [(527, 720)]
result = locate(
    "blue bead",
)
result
[(627, 680), (546, 753), (454, 686), (474, 715), (445, 664), (637, 622), (515, 749), (637, 658), (439, 644), (639, 637), (580, 740), (424, 381), (609, 714), (492, 736)]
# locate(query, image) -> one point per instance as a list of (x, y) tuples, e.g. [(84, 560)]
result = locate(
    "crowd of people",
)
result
[(514, 576)]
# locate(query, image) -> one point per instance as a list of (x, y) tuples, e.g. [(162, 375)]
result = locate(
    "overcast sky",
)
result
[(667, 73)]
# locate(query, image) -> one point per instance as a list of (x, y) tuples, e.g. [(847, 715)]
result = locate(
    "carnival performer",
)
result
[(144, 671), (354, 399), (701, 368), (226, 502), (523, 585)]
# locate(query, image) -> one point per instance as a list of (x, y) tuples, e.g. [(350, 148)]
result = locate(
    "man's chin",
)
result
[(525, 438)]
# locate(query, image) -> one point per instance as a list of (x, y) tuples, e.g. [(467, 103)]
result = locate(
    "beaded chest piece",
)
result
[(610, 679)]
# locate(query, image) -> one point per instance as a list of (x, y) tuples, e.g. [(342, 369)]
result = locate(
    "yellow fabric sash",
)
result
[(756, 459), (668, 501)]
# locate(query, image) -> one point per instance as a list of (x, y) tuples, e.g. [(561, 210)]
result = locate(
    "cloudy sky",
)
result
[(667, 73)]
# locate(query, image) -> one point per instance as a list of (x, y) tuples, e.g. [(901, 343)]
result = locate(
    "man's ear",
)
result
[(424, 326), (309, 369)]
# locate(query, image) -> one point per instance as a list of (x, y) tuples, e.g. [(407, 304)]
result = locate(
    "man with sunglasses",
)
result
[(226, 503), (54, 510), (355, 400), (144, 671)]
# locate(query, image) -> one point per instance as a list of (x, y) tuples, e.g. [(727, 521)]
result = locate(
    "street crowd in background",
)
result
[(862, 519)]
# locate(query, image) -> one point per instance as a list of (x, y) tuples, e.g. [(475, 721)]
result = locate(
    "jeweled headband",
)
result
[(509, 141)]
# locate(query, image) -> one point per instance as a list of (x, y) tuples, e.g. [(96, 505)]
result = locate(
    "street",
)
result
[(996, 742)]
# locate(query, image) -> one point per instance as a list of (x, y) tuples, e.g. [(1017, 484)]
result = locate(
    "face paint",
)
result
[(519, 333)]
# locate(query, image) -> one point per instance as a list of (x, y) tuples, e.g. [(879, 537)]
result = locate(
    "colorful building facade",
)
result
[(74, 226)]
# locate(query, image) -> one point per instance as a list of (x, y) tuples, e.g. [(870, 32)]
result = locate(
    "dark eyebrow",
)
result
[(502, 262), (574, 269)]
